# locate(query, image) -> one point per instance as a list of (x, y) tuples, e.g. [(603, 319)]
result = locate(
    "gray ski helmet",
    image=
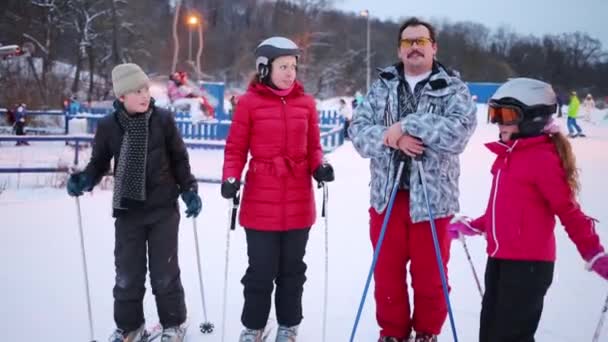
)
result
[(536, 100), (270, 49)]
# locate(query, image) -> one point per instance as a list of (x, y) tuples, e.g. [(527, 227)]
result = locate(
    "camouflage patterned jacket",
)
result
[(445, 120)]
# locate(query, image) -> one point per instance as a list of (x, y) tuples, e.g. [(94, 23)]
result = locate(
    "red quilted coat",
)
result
[(282, 135), (529, 189)]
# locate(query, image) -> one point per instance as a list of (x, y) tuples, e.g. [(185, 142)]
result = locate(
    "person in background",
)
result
[(346, 112), (233, 102), (574, 129), (560, 104), (74, 105), (19, 125), (588, 108)]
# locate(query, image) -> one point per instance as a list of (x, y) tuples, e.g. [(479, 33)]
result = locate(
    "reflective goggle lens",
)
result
[(504, 115)]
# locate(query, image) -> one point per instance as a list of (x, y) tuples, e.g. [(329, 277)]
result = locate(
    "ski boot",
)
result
[(422, 337), (252, 335), (287, 334), (394, 339), (138, 335), (173, 334)]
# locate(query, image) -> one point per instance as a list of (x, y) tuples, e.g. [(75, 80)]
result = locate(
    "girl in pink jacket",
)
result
[(535, 179)]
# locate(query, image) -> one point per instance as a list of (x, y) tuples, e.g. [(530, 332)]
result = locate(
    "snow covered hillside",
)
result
[(42, 293)]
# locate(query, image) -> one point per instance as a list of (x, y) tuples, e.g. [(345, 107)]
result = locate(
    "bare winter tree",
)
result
[(47, 25), (84, 14), (95, 35)]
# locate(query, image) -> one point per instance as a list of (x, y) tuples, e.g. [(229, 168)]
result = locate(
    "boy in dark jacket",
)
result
[(151, 168)]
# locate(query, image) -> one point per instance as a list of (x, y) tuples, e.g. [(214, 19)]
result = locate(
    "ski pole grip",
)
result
[(235, 203), (401, 156)]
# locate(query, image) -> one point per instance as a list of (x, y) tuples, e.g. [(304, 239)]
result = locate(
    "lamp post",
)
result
[(200, 49), (192, 22), (365, 14)]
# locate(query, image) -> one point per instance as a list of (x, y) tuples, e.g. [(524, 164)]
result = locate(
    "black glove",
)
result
[(324, 173), (230, 187)]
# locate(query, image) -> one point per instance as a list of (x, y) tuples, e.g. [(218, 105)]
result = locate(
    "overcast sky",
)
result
[(536, 17)]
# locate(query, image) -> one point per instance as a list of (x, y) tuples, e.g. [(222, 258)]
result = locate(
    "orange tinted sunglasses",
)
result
[(422, 42), (504, 114)]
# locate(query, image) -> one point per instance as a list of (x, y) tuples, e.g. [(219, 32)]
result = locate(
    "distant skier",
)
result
[(346, 112), (588, 108), (19, 115), (535, 179), (182, 93), (574, 129)]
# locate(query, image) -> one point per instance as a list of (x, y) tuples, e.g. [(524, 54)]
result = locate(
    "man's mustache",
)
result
[(411, 54)]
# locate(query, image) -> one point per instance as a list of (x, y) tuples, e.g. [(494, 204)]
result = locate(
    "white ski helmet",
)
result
[(270, 49), (528, 91), (535, 99)]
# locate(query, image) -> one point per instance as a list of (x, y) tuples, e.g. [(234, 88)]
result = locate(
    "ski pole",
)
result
[(232, 211), (444, 281), (84, 268), (598, 329), (326, 285), (387, 214), (206, 327), (466, 250)]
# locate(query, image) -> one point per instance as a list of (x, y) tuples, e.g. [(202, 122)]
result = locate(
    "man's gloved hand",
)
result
[(78, 183), (230, 187), (324, 173), (193, 203)]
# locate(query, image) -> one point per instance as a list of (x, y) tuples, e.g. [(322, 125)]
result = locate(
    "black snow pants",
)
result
[(513, 301), (147, 237), (274, 257)]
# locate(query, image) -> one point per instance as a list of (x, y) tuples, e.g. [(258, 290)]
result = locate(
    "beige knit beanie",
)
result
[(128, 77)]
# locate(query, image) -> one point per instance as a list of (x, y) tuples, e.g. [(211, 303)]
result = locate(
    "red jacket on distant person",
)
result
[(283, 137), (528, 190)]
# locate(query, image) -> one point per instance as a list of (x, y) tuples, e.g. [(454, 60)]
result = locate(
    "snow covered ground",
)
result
[(42, 296)]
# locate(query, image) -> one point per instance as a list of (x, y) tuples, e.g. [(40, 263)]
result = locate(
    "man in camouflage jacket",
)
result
[(416, 107)]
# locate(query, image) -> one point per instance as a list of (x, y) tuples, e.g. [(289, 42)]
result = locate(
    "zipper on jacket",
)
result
[(509, 150), (494, 214), (388, 177), (284, 152)]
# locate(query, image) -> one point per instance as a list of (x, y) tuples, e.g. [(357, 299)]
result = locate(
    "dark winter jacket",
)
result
[(167, 164), (282, 136)]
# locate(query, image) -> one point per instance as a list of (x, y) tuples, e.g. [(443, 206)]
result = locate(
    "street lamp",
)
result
[(192, 22), (366, 15)]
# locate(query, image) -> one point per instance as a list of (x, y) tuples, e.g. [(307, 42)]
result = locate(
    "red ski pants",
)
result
[(406, 242)]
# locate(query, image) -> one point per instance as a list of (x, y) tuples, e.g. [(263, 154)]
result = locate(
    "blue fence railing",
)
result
[(206, 130), (330, 139), (204, 135)]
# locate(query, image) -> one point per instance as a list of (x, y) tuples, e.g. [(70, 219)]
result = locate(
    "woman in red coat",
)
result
[(277, 123)]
